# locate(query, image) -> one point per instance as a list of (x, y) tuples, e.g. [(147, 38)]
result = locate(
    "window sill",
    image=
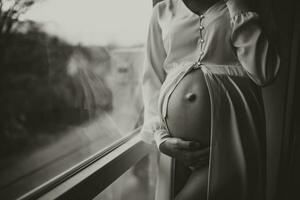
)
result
[(97, 173)]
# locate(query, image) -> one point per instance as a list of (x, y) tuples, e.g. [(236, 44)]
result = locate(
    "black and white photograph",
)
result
[(149, 100)]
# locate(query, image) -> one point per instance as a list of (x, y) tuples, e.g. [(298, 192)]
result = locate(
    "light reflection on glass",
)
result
[(69, 85)]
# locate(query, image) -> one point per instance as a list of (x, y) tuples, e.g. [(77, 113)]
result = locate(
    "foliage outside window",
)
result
[(63, 99)]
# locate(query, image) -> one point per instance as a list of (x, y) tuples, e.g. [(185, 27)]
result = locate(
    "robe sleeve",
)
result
[(255, 52), (153, 76)]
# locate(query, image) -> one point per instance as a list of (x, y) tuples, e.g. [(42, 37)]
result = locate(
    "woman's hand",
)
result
[(190, 153)]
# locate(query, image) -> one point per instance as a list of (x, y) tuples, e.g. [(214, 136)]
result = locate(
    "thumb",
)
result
[(185, 145)]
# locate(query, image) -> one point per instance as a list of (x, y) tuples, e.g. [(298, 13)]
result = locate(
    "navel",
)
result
[(190, 97)]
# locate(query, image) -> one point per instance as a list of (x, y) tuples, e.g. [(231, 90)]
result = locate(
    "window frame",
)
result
[(90, 177), (93, 175)]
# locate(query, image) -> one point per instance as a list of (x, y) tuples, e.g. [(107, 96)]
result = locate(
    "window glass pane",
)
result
[(69, 84), (139, 182)]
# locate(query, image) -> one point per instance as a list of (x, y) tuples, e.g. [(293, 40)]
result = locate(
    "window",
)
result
[(136, 184), (70, 89)]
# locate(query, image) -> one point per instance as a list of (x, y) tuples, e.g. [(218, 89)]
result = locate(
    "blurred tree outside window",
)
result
[(66, 91)]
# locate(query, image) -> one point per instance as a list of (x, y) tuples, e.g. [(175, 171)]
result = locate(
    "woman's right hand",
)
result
[(190, 153)]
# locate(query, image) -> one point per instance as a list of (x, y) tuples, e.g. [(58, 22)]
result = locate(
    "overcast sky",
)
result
[(99, 22)]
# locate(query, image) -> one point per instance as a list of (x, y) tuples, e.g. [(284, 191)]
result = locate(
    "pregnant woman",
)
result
[(206, 61)]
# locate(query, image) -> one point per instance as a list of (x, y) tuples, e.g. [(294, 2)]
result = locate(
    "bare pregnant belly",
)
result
[(188, 113)]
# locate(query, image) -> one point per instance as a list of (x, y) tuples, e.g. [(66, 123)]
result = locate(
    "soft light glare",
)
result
[(7, 5), (95, 22)]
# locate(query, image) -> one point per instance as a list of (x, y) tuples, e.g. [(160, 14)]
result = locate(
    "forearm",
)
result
[(257, 54)]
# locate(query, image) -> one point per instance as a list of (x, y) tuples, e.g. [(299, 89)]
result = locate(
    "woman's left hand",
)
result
[(189, 153), (201, 158)]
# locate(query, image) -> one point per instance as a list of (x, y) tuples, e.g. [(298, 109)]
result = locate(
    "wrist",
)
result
[(160, 137), (167, 148), (162, 147)]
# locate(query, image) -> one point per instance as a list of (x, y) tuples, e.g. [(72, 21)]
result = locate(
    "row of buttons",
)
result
[(201, 17)]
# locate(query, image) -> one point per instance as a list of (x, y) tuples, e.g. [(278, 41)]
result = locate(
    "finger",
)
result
[(200, 152), (186, 145), (195, 154), (198, 165), (189, 157), (198, 156), (200, 160), (185, 157)]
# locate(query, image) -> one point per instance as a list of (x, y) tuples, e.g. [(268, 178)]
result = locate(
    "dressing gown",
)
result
[(228, 43)]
